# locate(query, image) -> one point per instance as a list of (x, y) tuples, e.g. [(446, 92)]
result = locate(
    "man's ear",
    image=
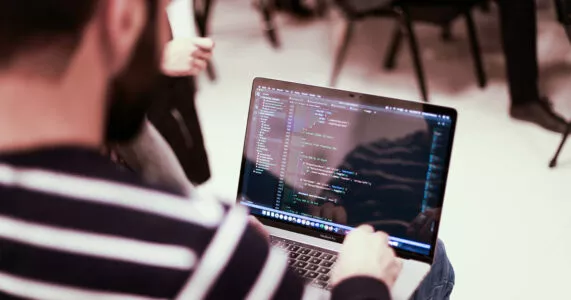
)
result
[(125, 22)]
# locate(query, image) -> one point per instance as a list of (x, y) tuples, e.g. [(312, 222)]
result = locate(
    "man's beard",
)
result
[(132, 91)]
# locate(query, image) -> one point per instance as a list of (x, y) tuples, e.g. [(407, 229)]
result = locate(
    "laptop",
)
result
[(319, 162)]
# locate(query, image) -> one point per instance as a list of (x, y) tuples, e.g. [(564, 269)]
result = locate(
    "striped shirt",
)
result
[(74, 226)]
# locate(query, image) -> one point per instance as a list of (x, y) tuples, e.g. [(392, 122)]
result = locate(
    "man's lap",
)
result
[(439, 282)]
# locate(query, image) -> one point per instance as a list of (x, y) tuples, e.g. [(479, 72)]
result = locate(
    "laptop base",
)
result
[(411, 276)]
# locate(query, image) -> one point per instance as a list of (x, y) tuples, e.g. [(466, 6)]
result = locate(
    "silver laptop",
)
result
[(319, 162)]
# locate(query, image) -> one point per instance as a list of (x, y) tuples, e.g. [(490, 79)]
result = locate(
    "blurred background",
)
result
[(506, 216)]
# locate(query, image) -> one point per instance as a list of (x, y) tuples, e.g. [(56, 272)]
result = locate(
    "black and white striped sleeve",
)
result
[(239, 264), (70, 237)]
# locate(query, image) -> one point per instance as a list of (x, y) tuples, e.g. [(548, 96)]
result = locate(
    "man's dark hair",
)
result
[(27, 26)]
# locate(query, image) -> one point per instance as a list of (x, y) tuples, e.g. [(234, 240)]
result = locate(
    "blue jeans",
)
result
[(439, 282)]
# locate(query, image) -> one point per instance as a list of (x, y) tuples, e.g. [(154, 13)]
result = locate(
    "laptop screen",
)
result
[(327, 161)]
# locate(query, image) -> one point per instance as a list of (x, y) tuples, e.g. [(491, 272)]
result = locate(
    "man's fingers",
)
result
[(181, 73), (255, 222), (358, 233), (199, 64), (259, 227), (205, 55), (399, 265), (383, 237), (398, 269), (205, 44), (366, 228)]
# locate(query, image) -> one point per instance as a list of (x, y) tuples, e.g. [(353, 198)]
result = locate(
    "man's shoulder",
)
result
[(81, 163), (93, 179), (99, 186), (82, 212)]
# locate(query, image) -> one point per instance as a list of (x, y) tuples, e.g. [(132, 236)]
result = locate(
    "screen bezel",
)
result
[(359, 98)]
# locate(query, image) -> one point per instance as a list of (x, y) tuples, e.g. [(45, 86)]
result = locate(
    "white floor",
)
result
[(506, 220)]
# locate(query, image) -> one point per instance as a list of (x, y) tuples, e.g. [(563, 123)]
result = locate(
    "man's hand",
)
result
[(367, 253), (259, 227), (186, 57)]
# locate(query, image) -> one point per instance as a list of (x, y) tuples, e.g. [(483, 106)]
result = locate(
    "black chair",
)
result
[(439, 12), (267, 8), (202, 12), (563, 8)]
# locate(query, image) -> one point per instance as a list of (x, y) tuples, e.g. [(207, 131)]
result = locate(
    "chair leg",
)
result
[(476, 52), (414, 51), (342, 52), (553, 162), (270, 28), (394, 48)]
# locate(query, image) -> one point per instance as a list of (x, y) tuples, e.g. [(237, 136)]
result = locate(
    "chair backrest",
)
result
[(563, 8), (361, 7)]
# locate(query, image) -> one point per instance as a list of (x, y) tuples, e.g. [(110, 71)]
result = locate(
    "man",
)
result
[(72, 225), (519, 37), (169, 151)]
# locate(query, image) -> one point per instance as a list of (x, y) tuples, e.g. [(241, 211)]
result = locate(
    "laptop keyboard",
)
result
[(311, 263)]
